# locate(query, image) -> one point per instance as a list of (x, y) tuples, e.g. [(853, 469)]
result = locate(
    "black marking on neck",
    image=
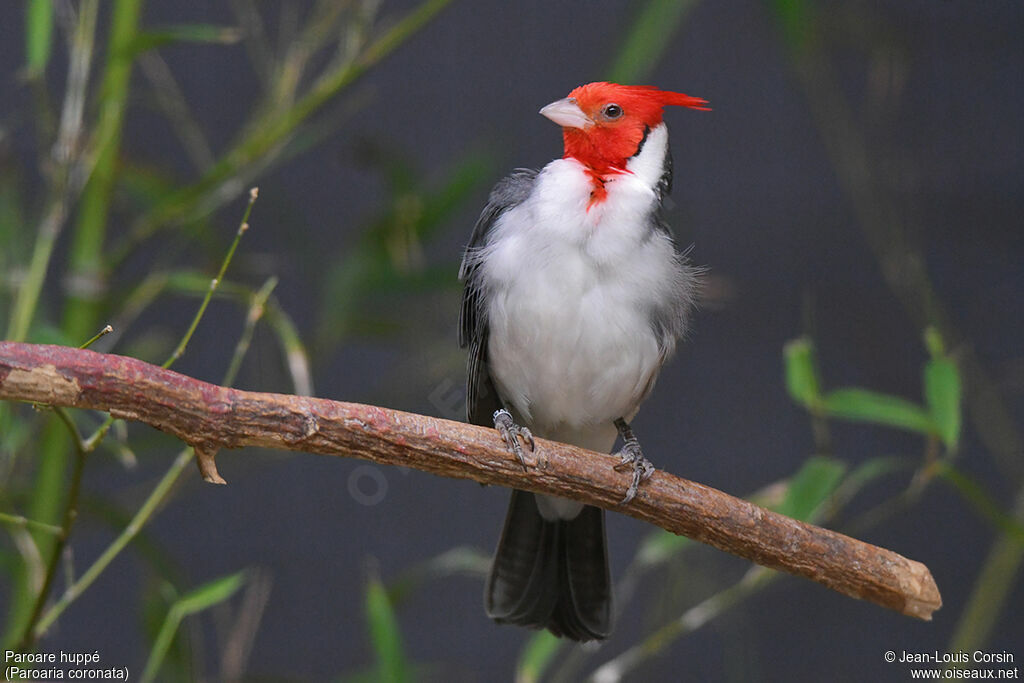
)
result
[(664, 186), (643, 141)]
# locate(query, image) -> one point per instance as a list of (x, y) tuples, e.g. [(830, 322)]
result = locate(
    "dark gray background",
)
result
[(757, 195)]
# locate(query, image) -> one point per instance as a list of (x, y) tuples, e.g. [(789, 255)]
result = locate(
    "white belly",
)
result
[(569, 353), (571, 346)]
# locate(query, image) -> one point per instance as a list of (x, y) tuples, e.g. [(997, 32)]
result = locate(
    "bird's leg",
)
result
[(511, 433), (632, 457)]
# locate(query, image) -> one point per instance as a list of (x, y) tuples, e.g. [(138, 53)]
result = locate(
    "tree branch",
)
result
[(210, 418)]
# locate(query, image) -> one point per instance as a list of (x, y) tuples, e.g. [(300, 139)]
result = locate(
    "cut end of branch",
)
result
[(254, 193), (923, 596), (207, 465)]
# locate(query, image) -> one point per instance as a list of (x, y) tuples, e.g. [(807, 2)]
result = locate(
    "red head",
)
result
[(604, 123)]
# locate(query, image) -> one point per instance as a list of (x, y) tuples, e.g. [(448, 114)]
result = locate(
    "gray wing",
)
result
[(481, 397)]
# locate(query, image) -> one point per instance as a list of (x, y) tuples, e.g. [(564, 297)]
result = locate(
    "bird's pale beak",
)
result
[(567, 114)]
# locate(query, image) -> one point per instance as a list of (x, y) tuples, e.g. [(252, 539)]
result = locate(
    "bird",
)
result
[(574, 296)]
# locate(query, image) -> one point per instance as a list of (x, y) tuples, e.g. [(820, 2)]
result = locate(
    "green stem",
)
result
[(82, 309), (19, 522), (270, 131), (256, 311), (38, 37), (70, 515), (61, 190), (43, 507), (253, 193), (96, 438), (158, 494), (295, 355), (161, 644), (92, 340), (647, 38), (28, 295), (54, 443), (139, 521), (997, 578), (690, 621), (982, 501)]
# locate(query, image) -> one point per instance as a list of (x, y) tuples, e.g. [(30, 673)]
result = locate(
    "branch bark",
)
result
[(211, 418)]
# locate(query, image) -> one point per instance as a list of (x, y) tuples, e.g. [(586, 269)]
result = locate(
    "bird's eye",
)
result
[(612, 111)]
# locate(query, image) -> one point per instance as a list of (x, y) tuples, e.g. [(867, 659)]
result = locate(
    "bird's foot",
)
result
[(511, 433), (632, 457)]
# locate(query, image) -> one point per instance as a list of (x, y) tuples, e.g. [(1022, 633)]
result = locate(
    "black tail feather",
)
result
[(551, 574)]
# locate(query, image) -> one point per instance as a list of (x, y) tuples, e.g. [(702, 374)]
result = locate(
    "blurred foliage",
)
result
[(825, 485), (650, 33), (197, 600), (387, 262), (38, 36), (955, 382), (83, 180), (939, 417), (305, 79), (392, 665)]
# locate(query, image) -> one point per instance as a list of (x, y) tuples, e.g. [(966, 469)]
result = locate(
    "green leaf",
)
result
[(537, 655), (801, 372), (811, 486), (647, 39), (38, 36), (183, 33), (863, 405), (194, 601), (942, 392), (934, 343), (177, 659), (387, 641), (210, 594), (296, 356)]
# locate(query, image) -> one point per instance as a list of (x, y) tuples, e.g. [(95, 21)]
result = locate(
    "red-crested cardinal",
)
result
[(575, 295)]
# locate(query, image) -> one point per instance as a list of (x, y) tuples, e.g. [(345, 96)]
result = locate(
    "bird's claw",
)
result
[(511, 433), (633, 458)]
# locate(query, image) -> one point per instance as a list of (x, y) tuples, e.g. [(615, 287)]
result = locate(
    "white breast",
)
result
[(569, 294)]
